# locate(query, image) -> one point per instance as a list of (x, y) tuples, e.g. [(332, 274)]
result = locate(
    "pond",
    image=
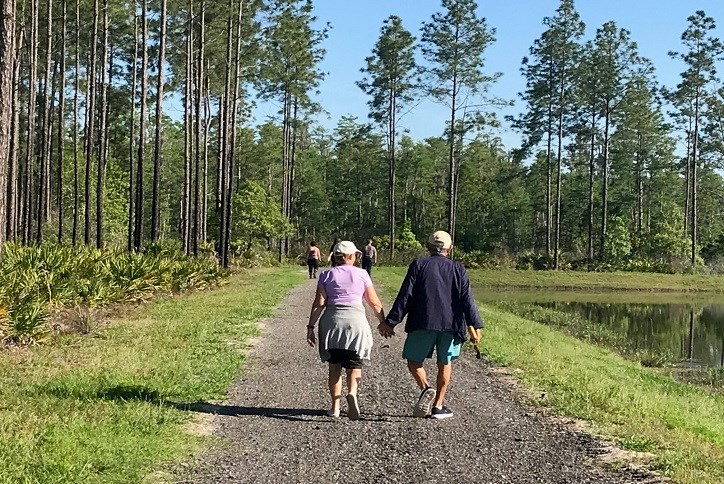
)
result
[(683, 330)]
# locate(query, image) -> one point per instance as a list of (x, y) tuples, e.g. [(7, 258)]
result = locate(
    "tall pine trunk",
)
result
[(224, 149), (141, 148), (231, 134), (28, 182), (90, 124), (157, 162), (694, 181), (205, 175), (591, 174), (198, 99), (604, 176), (132, 137), (12, 211), (451, 168), (188, 140), (76, 125), (7, 53), (103, 138), (44, 165), (61, 122)]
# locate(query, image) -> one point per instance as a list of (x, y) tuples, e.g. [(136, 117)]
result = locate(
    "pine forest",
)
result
[(128, 125)]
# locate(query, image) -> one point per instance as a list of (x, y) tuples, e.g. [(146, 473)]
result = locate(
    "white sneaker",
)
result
[(352, 407), (424, 403)]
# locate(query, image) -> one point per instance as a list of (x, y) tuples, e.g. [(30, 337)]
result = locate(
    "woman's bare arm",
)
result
[(374, 302), (320, 300)]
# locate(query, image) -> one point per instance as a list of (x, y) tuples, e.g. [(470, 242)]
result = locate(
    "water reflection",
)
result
[(692, 333)]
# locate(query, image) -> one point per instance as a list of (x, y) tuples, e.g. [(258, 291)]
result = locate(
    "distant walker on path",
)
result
[(437, 300), (369, 257), (313, 257), (344, 336)]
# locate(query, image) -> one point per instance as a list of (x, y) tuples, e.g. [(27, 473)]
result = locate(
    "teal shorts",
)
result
[(420, 344)]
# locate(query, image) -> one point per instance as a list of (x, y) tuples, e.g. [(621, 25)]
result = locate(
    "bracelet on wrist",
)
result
[(310, 327)]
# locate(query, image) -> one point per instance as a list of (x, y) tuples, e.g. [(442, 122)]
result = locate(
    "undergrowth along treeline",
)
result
[(37, 280)]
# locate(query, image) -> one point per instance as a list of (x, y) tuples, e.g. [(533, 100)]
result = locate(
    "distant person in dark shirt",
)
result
[(437, 300), (369, 257), (331, 259)]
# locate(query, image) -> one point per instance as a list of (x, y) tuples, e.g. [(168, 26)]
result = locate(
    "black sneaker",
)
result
[(441, 413), (424, 403)]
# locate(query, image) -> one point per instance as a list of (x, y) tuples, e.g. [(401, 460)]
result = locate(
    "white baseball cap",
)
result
[(440, 239), (346, 248)]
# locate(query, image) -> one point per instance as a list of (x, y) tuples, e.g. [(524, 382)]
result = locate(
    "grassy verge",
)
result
[(643, 410), (632, 281), (98, 408)]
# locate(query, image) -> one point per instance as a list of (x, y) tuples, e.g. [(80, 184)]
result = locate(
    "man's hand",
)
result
[(386, 330), (475, 335), (311, 338)]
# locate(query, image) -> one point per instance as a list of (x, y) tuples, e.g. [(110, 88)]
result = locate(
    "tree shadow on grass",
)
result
[(123, 393)]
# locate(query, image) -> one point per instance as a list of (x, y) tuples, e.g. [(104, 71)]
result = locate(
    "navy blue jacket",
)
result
[(436, 295)]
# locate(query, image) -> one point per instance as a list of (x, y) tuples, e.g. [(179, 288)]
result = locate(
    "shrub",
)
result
[(34, 280), (535, 261)]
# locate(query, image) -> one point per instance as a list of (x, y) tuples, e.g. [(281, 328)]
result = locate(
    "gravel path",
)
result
[(273, 429)]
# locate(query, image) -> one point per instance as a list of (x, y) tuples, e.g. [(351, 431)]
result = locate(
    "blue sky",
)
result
[(656, 25)]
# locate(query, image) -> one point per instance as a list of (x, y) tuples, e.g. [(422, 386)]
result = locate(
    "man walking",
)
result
[(437, 300), (313, 256), (369, 257)]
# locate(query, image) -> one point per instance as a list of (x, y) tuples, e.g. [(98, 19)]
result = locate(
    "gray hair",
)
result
[(436, 249)]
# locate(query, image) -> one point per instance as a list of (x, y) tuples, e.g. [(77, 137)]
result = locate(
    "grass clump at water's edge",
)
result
[(100, 409), (627, 281), (640, 408)]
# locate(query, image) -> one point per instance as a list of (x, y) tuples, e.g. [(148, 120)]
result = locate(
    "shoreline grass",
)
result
[(101, 407), (598, 281), (639, 408)]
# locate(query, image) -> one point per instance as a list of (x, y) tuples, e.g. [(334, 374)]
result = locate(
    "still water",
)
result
[(689, 330)]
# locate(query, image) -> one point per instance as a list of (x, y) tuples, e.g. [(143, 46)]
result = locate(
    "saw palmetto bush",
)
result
[(38, 279)]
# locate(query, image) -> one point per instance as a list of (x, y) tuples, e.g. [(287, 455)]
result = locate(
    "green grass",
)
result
[(99, 408), (640, 408), (632, 281)]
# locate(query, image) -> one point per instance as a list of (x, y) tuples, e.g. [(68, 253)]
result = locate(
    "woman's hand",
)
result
[(311, 338)]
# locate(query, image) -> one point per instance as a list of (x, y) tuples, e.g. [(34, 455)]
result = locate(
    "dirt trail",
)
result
[(273, 428)]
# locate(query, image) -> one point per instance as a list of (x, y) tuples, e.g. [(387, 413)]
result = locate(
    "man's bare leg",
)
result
[(444, 371), (418, 373), (424, 402)]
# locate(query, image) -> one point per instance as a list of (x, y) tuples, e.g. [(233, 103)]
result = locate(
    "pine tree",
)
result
[(453, 42), (564, 31), (391, 70), (690, 96), (292, 49)]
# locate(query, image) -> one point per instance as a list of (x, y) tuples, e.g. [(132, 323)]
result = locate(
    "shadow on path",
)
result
[(239, 411)]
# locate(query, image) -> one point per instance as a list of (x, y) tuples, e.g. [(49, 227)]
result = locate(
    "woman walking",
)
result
[(344, 335)]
